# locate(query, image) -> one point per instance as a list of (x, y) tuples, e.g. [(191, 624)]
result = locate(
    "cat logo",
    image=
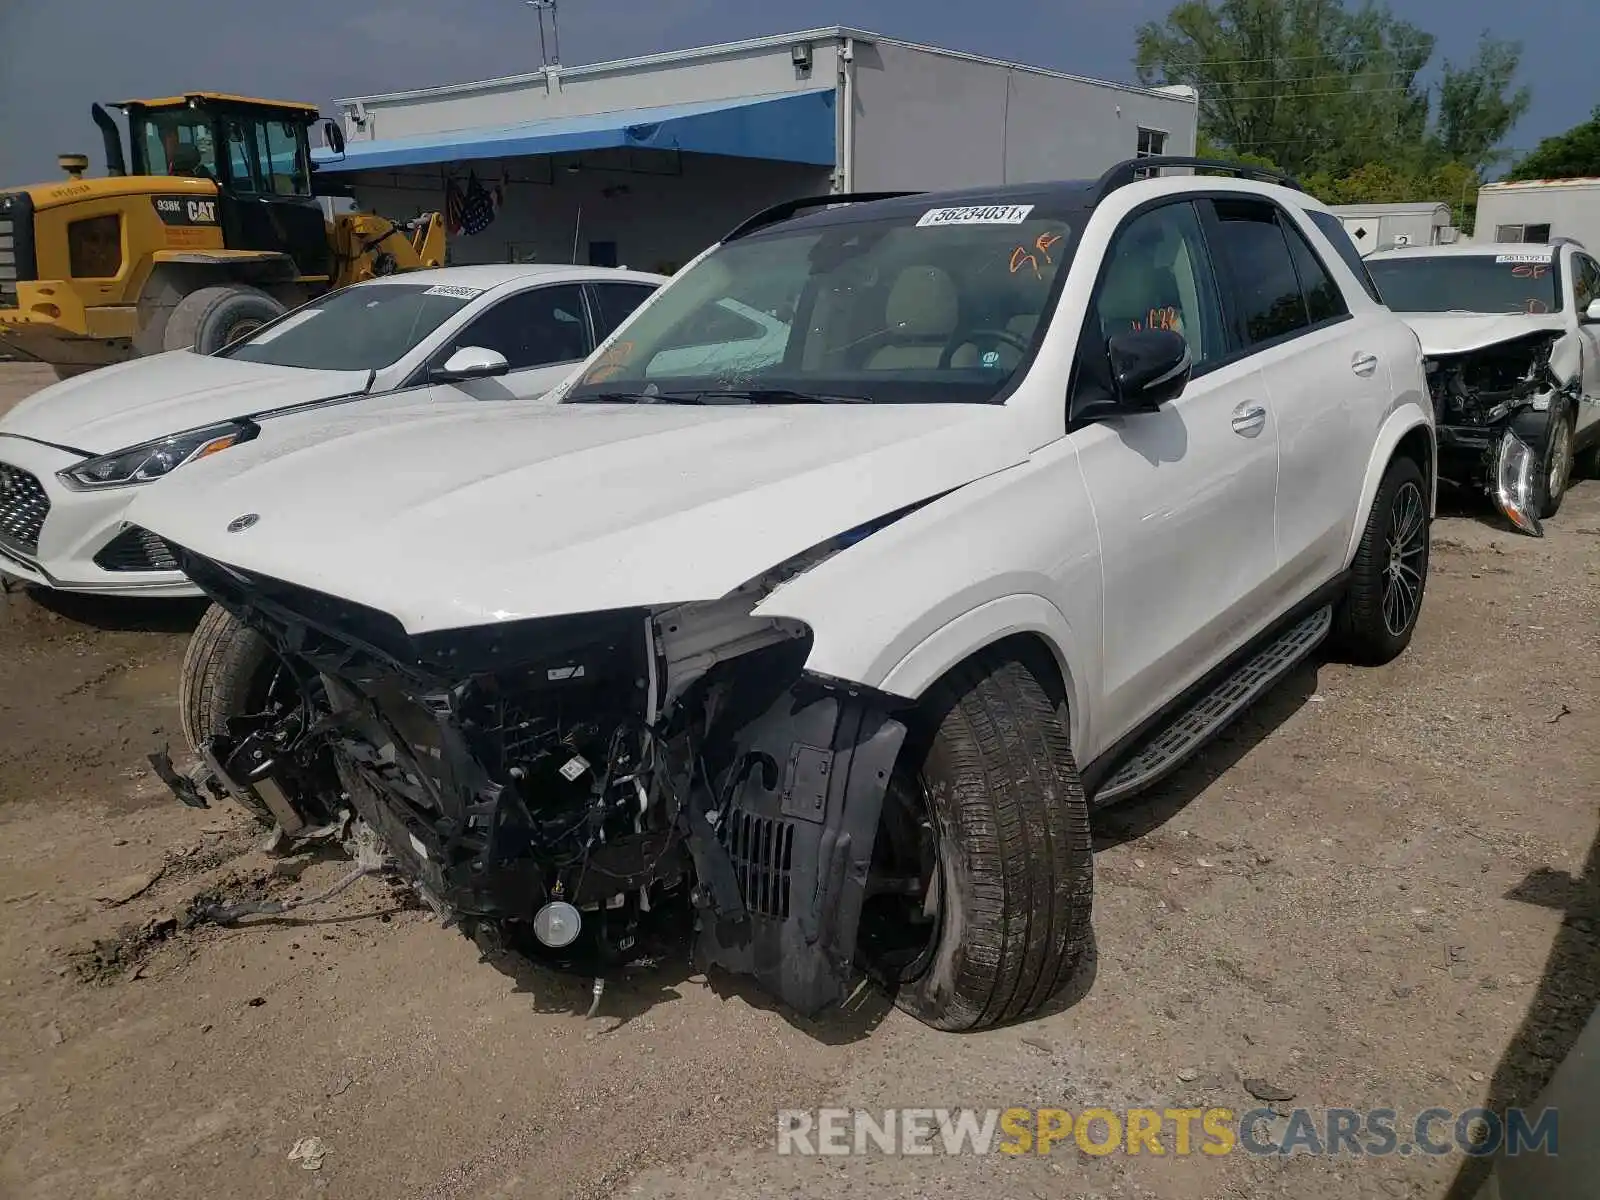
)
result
[(185, 211)]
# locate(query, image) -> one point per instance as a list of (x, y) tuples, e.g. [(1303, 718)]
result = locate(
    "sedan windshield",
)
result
[(362, 328), (942, 305), (1516, 281)]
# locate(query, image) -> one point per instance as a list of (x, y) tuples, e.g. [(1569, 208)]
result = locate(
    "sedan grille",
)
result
[(23, 508), (136, 549)]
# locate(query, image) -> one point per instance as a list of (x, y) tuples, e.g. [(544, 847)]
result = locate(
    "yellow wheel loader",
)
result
[(209, 228)]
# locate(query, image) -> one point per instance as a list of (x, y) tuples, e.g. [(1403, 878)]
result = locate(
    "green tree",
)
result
[(1570, 155), (1204, 148), (1452, 183), (1320, 87), (1477, 104)]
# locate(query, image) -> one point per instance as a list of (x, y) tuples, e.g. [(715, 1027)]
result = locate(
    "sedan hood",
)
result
[(1458, 333), (147, 398), (471, 516)]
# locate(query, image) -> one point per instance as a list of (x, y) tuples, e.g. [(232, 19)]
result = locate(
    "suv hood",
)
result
[(1458, 333), (146, 398), (471, 517)]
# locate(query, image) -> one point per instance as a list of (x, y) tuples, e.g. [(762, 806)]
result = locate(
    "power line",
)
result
[(1275, 79), (1393, 51)]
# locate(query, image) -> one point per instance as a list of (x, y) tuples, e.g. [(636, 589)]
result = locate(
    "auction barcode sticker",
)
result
[(1524, 256), (450, 289), (977, 214)]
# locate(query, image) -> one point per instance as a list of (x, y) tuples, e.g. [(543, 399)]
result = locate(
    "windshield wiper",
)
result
[(786, 396), (638, 398), (721, 396)]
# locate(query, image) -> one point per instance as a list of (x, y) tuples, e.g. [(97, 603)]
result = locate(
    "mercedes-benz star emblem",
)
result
[(240, 524)]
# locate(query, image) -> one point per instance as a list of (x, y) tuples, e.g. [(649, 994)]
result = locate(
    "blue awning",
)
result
[(793, 127)]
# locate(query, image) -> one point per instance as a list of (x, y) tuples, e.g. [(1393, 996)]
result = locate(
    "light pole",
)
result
[(555, 30)]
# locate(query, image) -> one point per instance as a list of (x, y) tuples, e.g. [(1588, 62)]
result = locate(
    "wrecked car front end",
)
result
[(552, 784), (1494, 406)]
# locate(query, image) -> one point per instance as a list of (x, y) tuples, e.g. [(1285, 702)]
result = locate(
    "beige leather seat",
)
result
[(921, 313)]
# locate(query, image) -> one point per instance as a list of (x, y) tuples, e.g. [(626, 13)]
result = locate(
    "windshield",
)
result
[(1516, 281), (361, 328), (177, 142), (940, 305)]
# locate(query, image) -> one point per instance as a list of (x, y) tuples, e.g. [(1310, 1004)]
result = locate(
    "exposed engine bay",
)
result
[(1488, 385), (1492, 406), (560, 784)]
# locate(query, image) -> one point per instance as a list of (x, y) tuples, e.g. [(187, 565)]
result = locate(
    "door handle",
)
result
[(1364, 364), (1249, 418)]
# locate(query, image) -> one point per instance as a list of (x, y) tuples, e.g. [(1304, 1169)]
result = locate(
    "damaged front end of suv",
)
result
[(1495, 406), (555, 785)]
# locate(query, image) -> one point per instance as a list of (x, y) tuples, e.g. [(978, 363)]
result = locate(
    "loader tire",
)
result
[(990, 754), (213, 317), (227, 671), (1377, 615)]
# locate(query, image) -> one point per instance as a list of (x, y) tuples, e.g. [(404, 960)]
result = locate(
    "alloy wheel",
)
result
[(1408, 546), (1560, 457)]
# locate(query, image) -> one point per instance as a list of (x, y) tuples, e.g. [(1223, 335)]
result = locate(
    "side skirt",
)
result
[(1164, 742)]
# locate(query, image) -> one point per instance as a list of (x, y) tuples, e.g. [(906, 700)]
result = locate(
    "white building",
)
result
[(646, 161), (1537, 210)]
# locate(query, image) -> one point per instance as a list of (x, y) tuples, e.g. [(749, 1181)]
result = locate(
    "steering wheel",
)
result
[(981, 337)]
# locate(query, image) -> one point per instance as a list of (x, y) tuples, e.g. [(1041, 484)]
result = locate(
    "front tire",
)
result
[(1378, 614), (229, 670), (1556, 464), (1014, 874)]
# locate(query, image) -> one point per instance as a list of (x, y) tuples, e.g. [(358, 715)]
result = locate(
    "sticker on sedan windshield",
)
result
[(450, 289), (1524, 256), (977, 214), (283, 326)]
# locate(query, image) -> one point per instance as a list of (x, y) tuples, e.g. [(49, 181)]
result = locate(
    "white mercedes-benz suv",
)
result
[(827, 649)]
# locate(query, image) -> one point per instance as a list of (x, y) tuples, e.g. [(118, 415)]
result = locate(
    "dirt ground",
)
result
[(1380, 889)]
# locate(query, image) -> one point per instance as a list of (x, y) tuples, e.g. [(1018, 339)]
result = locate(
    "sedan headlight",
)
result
[(152, 460)]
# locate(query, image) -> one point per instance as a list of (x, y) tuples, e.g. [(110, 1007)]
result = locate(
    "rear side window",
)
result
[(616, 302), (1324, 301), (1345, 247), (1266, 288)]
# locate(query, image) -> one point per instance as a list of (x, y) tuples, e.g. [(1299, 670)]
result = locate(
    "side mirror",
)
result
[(471, 362), (1592, 313), (1149, 367), (333, 136)]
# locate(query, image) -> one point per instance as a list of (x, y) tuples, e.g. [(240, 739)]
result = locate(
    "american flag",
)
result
[(472, 211)]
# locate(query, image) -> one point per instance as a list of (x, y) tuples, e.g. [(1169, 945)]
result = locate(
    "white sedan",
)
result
[(73, 456)]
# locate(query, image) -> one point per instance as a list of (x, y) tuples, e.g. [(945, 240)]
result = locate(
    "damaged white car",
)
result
[(824, 650), (1512, 338)]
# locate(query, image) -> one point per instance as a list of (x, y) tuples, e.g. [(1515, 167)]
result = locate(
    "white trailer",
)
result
[(1387, 226), (1538, 210)]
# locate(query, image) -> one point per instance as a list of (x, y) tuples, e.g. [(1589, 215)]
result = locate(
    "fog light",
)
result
[(557, 924)]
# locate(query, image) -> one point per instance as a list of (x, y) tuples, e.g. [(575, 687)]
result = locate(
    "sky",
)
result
[(58, 56)]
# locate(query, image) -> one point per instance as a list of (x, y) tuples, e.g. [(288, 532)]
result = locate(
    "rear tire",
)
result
[(210, 318), (1390, 570), (226, 672), (1015, 872)]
